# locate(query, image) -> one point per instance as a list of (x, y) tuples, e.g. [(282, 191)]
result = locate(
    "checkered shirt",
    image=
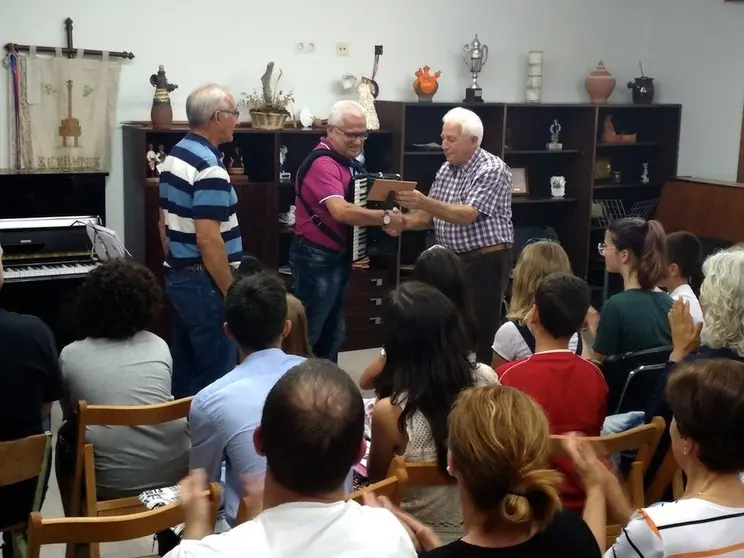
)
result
[(484, 182)]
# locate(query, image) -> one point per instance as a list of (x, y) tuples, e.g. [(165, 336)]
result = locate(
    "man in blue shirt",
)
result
[(201, 240), (225, 414)]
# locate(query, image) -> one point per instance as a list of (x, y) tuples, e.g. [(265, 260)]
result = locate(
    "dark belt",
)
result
[(302, 241), (196, 268), (480, 252)]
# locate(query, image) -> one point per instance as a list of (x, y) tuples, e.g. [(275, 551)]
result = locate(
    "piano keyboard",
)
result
[(48, 271), (359, 234)]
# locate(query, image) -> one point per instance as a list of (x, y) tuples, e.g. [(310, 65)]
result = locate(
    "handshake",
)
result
[(397, 222)]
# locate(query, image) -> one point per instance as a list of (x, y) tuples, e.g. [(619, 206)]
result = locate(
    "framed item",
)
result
[(520, 186)]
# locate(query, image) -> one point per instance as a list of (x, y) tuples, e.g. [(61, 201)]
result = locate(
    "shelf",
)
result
[(621, 185), (429, 152), (621, 145), (528, 200), (542, 152)]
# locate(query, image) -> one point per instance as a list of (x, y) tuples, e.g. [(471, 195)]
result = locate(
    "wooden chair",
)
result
[(22, 460), (391, 487), (83, 497), (642, 438), (667, 474), (95, 530), (419, 473)]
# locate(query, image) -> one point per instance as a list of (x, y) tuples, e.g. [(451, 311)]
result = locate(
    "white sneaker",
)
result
[(288, 219)]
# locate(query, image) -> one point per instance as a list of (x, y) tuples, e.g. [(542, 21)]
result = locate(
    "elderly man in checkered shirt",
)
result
[(469, 205)]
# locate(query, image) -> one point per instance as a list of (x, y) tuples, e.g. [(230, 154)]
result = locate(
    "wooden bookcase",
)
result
[(518, 133), (261, 199)]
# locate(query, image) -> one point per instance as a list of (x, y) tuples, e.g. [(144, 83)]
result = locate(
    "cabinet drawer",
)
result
[(370, 282), (363, 332), (366, 303)]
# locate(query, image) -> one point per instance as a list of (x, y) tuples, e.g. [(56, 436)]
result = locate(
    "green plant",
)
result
[(269, 100)]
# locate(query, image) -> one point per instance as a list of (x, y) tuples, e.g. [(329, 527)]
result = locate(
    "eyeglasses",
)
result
[(602, 246), (353, 135), (235, 113)]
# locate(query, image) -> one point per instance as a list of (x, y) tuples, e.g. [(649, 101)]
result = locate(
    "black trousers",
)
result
[(488, 275)]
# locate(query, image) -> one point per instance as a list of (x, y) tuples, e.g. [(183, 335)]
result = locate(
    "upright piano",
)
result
[(46, 250)]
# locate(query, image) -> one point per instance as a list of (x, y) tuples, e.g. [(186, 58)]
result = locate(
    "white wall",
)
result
[(695, 49), (225, 42)]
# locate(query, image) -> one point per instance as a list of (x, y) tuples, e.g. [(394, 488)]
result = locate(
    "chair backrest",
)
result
[(22, 459), (643, 438), (639, 386), (420, 473), (391, 488), (87, 530), (616, 369)]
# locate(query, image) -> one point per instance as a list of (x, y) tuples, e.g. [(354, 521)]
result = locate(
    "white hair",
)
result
[(469, 122), (722, 299), (341, 109), (204, 101)]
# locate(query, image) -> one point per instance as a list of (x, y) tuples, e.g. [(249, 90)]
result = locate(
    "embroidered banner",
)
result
[(62, 111)]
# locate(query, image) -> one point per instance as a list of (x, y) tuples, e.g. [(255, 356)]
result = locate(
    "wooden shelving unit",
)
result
[(518, 133)]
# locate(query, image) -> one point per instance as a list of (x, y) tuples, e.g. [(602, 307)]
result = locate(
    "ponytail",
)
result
[(651, 269)]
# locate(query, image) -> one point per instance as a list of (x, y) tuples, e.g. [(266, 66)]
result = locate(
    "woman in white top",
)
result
[(707, 399), (426, 367), (685, 273), (538, 259)]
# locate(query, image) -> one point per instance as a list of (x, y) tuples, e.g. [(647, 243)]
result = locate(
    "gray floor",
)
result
[(354, 362)]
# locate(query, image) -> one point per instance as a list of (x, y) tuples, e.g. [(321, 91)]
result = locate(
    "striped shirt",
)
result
[(194, 184), (691, 527)]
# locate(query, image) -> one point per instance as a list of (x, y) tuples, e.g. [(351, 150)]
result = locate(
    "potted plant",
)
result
[(268, 109)]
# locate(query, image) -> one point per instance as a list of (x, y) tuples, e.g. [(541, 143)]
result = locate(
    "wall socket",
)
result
[(305, 47), (342, 49)]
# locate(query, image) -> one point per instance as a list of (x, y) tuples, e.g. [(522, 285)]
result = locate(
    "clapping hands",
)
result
[(685, 334)]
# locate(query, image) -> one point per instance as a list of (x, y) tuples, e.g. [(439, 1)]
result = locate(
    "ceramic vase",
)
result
[(161, 113), (600, 84), (533, 93), (643, 90)]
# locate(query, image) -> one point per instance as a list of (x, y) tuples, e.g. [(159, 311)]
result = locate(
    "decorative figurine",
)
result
[(236, 166), (609, 135), (555, 130), (475, 56), (426, 84), (617, 177), (533, 93), (160, 157), (162, 112), (151, 159), (306, 118), (643, 88), (557, 186), (284, 177), (644, 176)]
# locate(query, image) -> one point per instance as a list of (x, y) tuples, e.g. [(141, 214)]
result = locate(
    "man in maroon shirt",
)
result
[(572, 391), (319, 256)]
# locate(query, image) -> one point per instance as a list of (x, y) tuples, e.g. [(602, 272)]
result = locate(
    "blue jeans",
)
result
[(320, 279), (201, 351)]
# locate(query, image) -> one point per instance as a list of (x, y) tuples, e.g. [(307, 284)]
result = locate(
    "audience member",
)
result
[(571, 390), (443, 269), (120, 363), (225, 414), (427, 365), (685, 270), (296, 341), (499, 454), (707, 401), (311, 434), (29, 382), (635, 319), (513, 340)]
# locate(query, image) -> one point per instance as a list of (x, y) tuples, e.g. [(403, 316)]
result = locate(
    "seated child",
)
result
[(685, 264), (570, 389)]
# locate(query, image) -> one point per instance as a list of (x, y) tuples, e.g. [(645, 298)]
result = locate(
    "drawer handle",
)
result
[(376, 320), (377, 301), (377, 282)]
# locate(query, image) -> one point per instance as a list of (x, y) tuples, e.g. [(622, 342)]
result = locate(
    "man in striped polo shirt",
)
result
[(201, 241)]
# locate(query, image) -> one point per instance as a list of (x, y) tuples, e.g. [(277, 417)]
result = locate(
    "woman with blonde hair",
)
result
[(499, 450), (513, 340), (296, 342)]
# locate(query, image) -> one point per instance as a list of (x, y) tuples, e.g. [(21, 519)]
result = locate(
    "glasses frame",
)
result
[(353, 136)]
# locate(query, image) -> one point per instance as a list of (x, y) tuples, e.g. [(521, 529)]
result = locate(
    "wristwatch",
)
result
[(386, 218)]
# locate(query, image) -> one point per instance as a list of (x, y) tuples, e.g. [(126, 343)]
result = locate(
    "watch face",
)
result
[(386, 218)]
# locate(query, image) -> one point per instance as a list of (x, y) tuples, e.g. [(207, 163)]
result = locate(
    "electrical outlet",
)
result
[(304, 47), (342, 49)]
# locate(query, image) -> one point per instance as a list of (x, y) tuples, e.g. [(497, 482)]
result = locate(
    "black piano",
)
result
[(46, 250)]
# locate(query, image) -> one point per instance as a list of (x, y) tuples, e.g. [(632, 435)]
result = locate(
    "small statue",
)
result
[(644, 176), (162, 112), (151, 159), (235, 165), (557, 186), (555, 131), (160, 157), (426, 84), (284, 177)]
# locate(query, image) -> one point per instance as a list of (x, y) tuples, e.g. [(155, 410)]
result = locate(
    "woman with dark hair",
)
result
[(707, 401), (635, 319), (121, 363), (441, 268), (427, 365)]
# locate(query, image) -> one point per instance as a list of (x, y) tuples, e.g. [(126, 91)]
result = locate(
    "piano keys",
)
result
[(359, 234)]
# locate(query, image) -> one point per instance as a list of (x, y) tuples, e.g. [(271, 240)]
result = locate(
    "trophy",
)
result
[(284, 177), (644, 176), (557, 186), (475, 55), (555, 130)]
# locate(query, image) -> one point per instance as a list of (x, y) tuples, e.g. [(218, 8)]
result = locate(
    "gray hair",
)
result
[(204, 101), (722, 298), (471, 124), (340, 109)]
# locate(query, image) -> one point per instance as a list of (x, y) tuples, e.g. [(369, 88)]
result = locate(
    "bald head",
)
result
[(314, 415)]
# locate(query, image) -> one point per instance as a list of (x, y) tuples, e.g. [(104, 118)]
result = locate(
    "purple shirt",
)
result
[(484, 183), (325, 179)]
